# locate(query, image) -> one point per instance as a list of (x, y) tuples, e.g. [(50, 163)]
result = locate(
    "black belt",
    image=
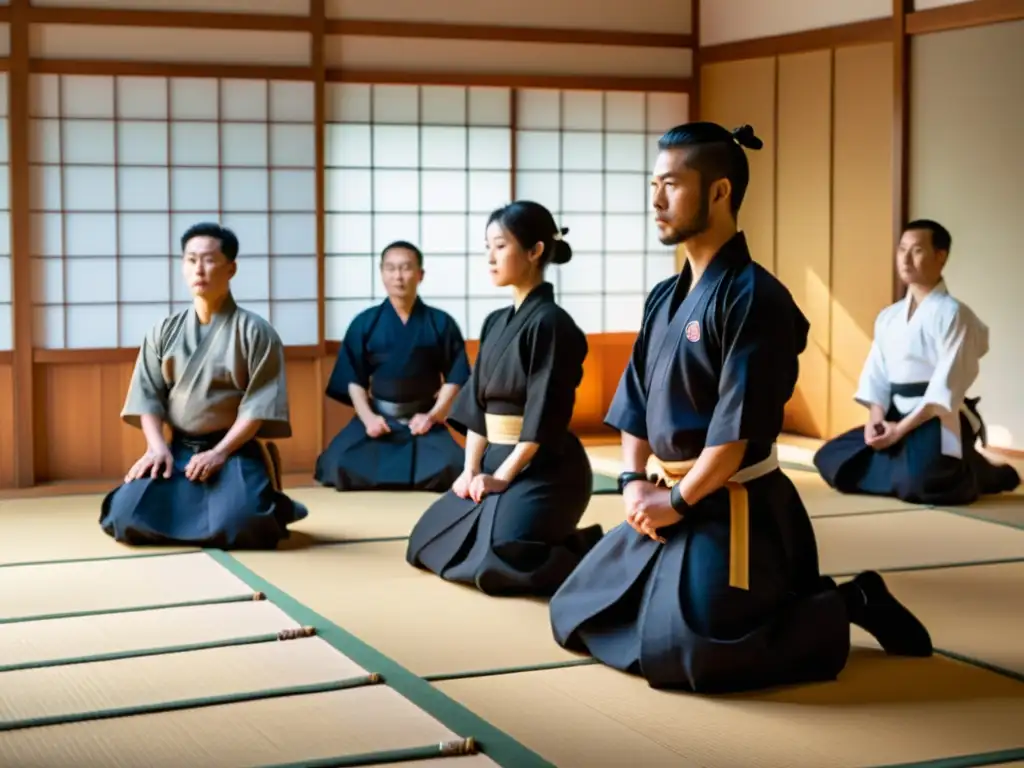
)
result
[(918, 389), (199, 443), (407, 410), (909, 389)]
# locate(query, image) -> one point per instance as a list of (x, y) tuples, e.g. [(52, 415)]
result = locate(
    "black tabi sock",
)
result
[(874, 608)]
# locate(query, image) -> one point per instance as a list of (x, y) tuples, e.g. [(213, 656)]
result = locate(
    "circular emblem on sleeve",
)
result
[(693, 331)]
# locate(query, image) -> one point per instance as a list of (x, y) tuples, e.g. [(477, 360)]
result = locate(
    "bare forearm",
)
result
[(915, 419), (635, 453), (445, 398), (713, 468), (521, 455), (241, 432), (153, 429), (476, 444), (361, 402), (877, 414)]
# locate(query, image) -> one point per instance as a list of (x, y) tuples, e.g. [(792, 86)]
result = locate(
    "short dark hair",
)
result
[(228, 239), (715, 153), (407, 246), (941, 239), (531, 223)]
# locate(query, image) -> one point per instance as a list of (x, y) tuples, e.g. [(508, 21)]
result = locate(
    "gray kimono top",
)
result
[(202, 379)]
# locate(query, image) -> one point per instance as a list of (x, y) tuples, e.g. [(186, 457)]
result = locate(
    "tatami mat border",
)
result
[(137, 653), (101, 558), (1001, 757), (438, 677), (995, 669), (497, 745), (966, 512), (180, 704), (933, 566), (427, 752), (241, 598), (385, 539)]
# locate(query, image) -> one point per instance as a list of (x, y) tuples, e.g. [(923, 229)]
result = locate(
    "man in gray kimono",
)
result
[(215, 375)]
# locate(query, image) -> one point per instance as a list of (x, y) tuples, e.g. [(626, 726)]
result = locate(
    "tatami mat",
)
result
[(44, 590), (57, 528), (341, 517), (66, 690), (349, 584), (429, 626), (912, 539), (975, 612), (822, 501), (88, 636), (882, 711), (256, 733), (1006, 509)]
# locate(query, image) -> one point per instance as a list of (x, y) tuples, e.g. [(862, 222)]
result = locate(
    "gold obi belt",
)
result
[(671, 472), (502, 429)]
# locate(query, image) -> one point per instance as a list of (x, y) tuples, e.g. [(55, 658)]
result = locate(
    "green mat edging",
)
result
[(541, 667), (496, 744), (985, 665), (131, 609), (426, 752), (167, 650), (869, 513), (966, 513), (180, 704), (966, 761), (932, 567), (103, 558)]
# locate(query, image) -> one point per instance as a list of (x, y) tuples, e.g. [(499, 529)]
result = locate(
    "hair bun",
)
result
[(745, 137), (562, 251)]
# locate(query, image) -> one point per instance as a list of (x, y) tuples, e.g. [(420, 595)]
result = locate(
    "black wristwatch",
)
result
[(675, 498), (628, 477)]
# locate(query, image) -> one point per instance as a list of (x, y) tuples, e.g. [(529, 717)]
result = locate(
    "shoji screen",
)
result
[(122, 166)]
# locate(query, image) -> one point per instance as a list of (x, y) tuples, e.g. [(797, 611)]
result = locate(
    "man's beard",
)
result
[(697, 225)]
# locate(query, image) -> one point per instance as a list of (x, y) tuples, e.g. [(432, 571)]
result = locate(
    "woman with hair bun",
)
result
[(509, 523)]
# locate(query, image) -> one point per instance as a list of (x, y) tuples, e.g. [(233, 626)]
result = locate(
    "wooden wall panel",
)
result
[(803, 223), (7, 446), (738, 92), (820, 204), (305, 403), (862, 201), (80, 434)]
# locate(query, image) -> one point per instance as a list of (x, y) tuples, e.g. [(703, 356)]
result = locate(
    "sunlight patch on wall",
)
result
[(727, 21)]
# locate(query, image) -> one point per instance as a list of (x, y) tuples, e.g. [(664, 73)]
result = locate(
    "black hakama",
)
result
[(239, 507), (915, 470), (402, 365), (523, 540), (712, 366)]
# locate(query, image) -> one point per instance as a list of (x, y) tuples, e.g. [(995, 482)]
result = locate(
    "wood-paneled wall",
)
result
[(818, 212), (80, 436), (7, 447)]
